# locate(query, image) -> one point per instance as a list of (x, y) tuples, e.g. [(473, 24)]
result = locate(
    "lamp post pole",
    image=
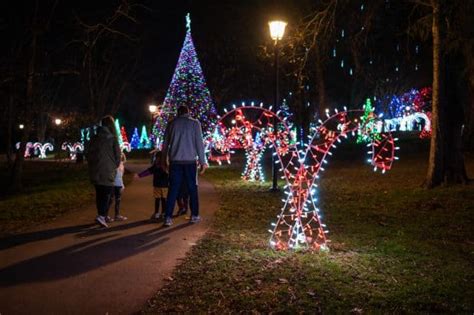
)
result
[(277, 29), (275, 121)]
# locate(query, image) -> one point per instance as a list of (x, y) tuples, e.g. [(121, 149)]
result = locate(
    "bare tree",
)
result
[(109, 56)]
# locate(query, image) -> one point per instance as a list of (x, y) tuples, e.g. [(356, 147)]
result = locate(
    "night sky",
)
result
[(230, 37)]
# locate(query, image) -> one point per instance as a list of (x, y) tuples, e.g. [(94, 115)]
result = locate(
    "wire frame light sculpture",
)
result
[(249, 128), (299, 224)]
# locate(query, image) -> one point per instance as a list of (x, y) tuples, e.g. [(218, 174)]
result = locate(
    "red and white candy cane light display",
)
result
[(250, 128), (299, 225)]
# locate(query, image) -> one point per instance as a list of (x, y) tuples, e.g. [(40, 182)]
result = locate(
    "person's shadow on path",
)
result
[(83, 257), (24, 238)]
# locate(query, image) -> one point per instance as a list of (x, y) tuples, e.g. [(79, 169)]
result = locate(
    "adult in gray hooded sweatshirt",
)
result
[(103, 159), (183, 146)]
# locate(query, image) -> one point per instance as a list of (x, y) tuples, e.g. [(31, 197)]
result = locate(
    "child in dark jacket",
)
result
[(160, 184)]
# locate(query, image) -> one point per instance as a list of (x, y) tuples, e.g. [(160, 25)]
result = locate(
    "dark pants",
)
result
[(117, 197), (182, 173), (102, 198), (183, 197)]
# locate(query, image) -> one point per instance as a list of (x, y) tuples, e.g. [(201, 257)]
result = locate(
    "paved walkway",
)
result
[(72, 266)]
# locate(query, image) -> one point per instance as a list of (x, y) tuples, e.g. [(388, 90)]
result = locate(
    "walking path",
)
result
[(71, 266)]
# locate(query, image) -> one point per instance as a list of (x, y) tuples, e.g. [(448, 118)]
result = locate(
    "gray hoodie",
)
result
[(183, 141), (103, 157)]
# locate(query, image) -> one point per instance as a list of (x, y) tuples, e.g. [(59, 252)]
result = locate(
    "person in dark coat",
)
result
[(103, 158)]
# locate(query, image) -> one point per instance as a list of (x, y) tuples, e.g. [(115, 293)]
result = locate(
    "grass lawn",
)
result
[(50, 189), (395, 248)]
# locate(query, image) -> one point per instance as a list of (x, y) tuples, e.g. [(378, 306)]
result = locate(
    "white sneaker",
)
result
[(120, 218), (168, 222), (101, 221), (195, 219)]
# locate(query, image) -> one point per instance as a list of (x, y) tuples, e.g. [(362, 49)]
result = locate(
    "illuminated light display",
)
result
[(145, 142), (123, 134), (73, 149), (369, 122), (126, 146), (117, 130), (85, 134), (409, 112), (188, 87), (249, 128), (135, 142), (28, 147), (299, 225), (43, 148)]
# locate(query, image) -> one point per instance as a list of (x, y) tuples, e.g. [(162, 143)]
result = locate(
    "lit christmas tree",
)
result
[(368, 125), (119, 135), (123, 133), (135, 143), (188, 87), (144, 140)]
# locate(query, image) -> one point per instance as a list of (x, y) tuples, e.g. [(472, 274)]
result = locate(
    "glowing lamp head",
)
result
[(277, 29), (21, 126), (152, 108), (58, 121)]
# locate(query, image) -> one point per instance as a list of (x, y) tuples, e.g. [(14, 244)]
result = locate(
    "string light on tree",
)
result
[(123, 134), (135, 142), (145, 142), (117, 130), (188, 87), (369, 122)]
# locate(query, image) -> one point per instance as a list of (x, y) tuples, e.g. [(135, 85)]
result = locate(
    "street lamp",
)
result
[(21, 126), (58, 121), (152, 108), (277, 30)]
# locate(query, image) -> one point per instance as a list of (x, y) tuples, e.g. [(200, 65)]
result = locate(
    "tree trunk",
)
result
[(42, 125), (456, 88), (17, 172), (435, 174), (321, 85), (468, 132), (9, 135)]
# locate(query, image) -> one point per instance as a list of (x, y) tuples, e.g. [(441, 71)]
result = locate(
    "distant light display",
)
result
[(145, 142), (73, 149), (42, 148), (28, 147), (250, 128), (410, 111), (135, 142)]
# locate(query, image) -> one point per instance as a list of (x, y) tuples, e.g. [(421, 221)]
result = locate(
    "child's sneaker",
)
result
[(155, 216), (195, 219), (168, 222), (101, 221), (120, 218), (108, 219)]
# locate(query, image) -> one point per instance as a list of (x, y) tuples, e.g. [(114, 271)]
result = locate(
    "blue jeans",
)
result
[(180, 173)]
